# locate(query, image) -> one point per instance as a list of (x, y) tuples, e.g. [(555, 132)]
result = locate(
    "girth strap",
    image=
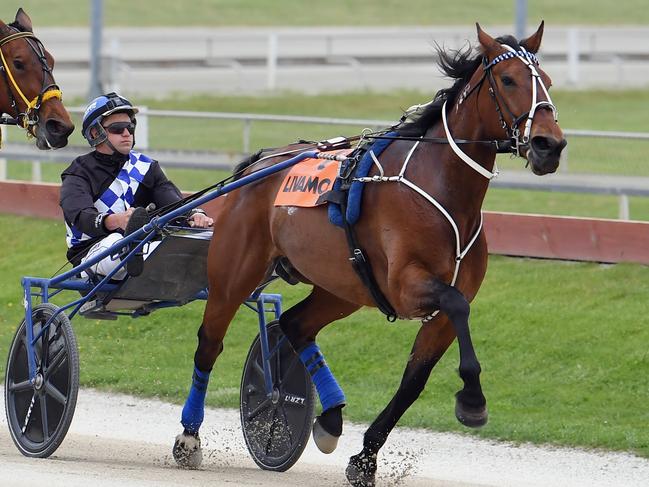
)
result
[(362, 266)]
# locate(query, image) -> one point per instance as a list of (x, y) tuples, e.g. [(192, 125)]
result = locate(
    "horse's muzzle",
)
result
[(53, 134), (544, 154)]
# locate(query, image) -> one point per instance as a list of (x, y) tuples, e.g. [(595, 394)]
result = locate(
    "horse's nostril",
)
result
[(57, 128), (542, 145)]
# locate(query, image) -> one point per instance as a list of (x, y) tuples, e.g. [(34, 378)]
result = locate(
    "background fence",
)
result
[(318, 59), (595, 162)]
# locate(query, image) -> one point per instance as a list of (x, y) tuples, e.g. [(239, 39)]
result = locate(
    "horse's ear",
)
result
[(533, 42), (23, 20), (488, 43)]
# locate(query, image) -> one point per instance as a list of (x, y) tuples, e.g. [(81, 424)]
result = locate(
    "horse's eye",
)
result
[(18, 64), (507, 81)]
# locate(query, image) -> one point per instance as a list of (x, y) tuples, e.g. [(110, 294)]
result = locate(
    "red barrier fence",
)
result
[(551, 237)]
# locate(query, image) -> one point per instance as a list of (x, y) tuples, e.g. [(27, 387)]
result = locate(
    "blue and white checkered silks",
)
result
[(119, 196)]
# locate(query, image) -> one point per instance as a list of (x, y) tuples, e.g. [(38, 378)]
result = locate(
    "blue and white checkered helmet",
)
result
[(101, 107)]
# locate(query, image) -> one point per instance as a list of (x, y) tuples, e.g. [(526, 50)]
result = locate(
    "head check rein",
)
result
[(518, 142), (27, 119)]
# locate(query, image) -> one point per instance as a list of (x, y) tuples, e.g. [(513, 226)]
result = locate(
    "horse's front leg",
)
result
[(430, 344), (470, 403), (432, 341)]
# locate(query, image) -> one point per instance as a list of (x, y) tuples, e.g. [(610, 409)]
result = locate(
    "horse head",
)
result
[(523, 107), (28, 91)]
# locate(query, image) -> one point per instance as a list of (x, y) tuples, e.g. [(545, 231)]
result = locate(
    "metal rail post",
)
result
[(96, 21)]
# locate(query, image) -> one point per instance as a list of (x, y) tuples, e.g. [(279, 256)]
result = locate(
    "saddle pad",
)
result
[(307, 181), (356, 189)]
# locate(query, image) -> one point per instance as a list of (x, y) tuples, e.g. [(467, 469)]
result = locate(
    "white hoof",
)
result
[(187, 451), (325, 442)]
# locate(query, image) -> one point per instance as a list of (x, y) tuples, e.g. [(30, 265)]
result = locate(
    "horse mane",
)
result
[(459, 65)]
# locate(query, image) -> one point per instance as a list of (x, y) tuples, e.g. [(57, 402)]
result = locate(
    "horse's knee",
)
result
[(454, 304), (290, 325), (286, 324)]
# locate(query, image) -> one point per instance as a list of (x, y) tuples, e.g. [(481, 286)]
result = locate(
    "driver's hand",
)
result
[(118, 220), (199, 220)]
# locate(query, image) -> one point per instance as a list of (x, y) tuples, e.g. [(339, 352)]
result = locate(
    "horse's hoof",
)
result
[(325, 441), (471, 416), (361, 471), (187, 451)]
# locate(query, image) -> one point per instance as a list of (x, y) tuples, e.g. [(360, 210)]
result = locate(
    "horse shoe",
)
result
[(187, 451)]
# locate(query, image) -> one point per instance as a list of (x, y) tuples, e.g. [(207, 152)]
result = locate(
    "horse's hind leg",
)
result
[(301, 324), (234, 272)]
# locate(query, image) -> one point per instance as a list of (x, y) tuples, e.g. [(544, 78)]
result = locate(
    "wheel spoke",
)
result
[(263, 405), (46, 429), (287, 426), (277, 376), (29, 413), (271, 430), (56, 363), (287, 371), (45, 347), (258, 369), (55, 394), (25, 385)]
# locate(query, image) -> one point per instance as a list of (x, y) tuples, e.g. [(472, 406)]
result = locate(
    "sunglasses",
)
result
[(117, 128)]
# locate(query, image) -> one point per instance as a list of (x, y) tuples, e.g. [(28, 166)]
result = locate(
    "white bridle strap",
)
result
[(525, 57), (474, 165)]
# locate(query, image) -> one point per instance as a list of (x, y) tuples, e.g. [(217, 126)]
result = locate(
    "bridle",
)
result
[(520, 142), (27, 119), (516, 144)]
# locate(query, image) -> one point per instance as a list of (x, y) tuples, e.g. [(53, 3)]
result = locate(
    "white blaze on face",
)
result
[(291, 210)]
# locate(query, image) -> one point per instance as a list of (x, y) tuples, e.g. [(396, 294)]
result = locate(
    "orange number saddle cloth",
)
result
[(308, 181)]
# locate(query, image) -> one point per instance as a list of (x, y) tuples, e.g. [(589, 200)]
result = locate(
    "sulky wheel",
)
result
[(39, 414), (276, 428)]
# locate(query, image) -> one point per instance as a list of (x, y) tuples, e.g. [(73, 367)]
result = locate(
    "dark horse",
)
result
[(421, 228), (28, 92)]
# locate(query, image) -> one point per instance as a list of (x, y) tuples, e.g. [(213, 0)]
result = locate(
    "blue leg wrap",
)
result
[(330, 393), (194, 408)]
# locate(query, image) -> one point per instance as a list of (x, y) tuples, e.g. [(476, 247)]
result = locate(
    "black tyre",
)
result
[(276, 429), (40, 414)]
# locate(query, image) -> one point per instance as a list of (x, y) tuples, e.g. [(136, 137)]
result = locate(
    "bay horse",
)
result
[(28, 92), (421, 229)]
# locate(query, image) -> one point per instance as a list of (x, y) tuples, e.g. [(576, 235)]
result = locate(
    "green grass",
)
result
[(562, 347), (227, 13)]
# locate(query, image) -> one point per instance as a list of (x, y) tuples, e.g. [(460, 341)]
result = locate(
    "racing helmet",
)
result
[(101, 107)]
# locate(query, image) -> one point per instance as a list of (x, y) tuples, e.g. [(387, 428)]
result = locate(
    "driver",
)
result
[(103, 190)]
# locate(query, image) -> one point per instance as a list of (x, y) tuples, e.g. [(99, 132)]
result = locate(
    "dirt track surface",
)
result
[(126, 441)]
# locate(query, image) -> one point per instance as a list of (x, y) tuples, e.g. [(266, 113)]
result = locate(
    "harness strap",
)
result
[(460, 252), (474, 165), (362, 266)]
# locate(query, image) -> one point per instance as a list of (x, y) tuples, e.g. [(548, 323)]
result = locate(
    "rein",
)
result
[(27, 119)]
